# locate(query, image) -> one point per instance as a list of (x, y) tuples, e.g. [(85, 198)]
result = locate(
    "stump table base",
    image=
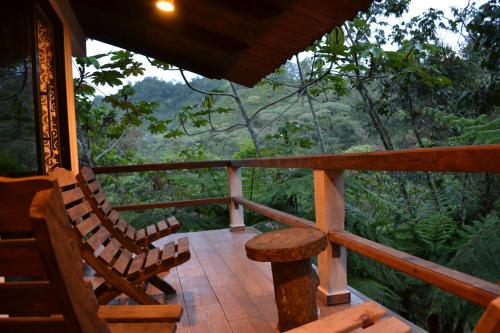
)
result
[(295, 284)]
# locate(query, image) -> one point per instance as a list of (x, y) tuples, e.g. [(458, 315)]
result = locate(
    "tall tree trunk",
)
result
[(428, 175), (385, 138), (248, 122), (317, 126)]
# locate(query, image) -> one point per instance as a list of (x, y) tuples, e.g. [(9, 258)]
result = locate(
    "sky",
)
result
[(417, 7)]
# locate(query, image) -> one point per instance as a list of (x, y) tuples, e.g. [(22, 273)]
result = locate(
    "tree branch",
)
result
[(107, 150), (202, 91)]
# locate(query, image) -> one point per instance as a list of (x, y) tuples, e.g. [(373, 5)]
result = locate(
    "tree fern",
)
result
[(477, 255)]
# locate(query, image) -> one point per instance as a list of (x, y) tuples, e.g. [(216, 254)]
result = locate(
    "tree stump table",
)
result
[(295, 282)]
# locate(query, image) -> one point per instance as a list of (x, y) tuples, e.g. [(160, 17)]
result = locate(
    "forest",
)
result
[(378, 82)]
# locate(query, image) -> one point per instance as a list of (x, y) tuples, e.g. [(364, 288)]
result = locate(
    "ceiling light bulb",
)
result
[(166, 6)]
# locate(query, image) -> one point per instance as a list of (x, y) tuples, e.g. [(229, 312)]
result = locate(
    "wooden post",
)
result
[(330, 214), (237, 222)]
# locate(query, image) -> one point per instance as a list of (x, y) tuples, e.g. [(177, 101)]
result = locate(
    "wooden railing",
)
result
[(330, 210)]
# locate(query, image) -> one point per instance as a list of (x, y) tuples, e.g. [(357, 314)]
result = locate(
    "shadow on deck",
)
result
[(221, 290)]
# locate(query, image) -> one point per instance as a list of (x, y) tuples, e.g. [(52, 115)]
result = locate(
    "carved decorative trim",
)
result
[(48, 95)]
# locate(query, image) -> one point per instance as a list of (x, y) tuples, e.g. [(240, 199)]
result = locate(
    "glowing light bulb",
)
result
[(165, 5)]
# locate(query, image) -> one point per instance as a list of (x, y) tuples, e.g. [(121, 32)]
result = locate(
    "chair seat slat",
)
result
[(110, 251), (97, 239), (123, 261), (137, 263)]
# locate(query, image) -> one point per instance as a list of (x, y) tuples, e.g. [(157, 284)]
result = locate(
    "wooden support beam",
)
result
[(463, 285), (330, 215), (237, 222), (274, 214), (160, 167), (484, 158), (183, 203)]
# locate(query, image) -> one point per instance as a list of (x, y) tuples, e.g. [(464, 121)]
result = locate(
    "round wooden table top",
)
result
[(286, 245)]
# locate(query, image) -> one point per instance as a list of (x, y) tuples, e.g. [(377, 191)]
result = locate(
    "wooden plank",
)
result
[(64, 177), (390, 325), (160, 166), (20, 257), (484, 158), (130, 232), (137, 263), (28, 298), (78, 211), (468, 287), (182, 245), (142, 328), (54, 324), (87, 174), (114, 216), (94, 186), (16, 207), (106, 207), (72, 195), (251, 325), (151, 230), (97, 239), (183, 203), (122, 225), (140, 313), (88, 225), (208, 318), (111, 249), (168, 251), (162, 225), (99, 196), (122, 262), (140, 234), (274, 214), (173, 222), (152, 258), (490, 320), (344, 321)]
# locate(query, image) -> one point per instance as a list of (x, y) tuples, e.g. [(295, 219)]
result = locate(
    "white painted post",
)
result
[(330, 214), (237, 222)]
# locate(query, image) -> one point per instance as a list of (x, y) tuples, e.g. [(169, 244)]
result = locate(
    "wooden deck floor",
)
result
[(221, 290)]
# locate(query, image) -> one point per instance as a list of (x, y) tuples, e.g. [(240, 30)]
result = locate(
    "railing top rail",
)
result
[(468, 287), (161, 166), (484, 158)]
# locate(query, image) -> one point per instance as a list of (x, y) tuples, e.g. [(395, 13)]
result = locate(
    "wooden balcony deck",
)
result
[(221, 290)]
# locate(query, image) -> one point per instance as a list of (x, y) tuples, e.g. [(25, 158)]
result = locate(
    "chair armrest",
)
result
[(140, 313)]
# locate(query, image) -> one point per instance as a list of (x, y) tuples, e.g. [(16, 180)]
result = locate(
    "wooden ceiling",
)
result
[(238, 40)]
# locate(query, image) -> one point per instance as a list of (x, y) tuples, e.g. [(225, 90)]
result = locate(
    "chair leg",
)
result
[(106, 293), (163, 285)]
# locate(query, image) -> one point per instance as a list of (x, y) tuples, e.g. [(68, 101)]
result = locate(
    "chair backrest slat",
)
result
[(16, 201), (28, 298), (20, 258), (33, 324), (87, 174)]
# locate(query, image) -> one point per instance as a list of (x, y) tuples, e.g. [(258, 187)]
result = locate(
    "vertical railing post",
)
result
[(237, 222), (330, 214)]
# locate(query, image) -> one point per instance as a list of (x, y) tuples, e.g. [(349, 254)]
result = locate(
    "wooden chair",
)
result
[(134, 240), (123, 271), (45, 291), (368, 317)]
